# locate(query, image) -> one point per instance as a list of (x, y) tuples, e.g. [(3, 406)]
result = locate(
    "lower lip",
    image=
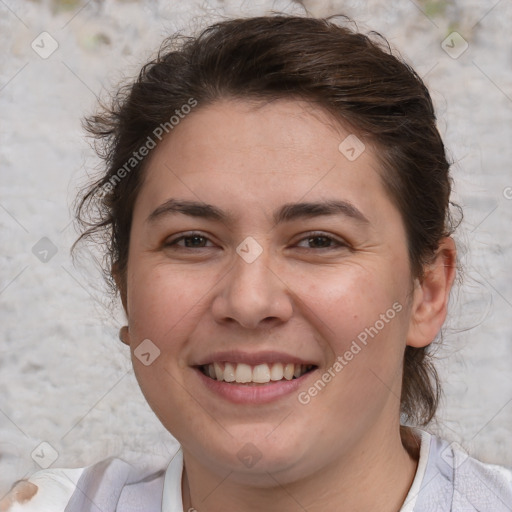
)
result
[(248, 394)]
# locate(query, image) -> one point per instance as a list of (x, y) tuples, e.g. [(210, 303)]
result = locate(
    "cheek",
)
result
[(163, 300), (346, 300), (163, 305), (362, 318)]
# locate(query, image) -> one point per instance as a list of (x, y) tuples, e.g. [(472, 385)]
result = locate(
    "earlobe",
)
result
[(431, 294), (124, 335)]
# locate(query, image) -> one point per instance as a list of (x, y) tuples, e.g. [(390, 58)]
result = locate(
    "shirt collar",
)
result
[(172, 500), (412, 495)]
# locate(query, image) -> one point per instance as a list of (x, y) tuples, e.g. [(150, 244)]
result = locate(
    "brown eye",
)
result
[(321, 241), (317, 242), (191, 241)]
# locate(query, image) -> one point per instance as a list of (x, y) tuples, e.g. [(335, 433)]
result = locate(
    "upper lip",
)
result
[(253, 359)]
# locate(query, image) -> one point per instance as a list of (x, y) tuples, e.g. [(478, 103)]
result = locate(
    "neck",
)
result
[(376, 477)]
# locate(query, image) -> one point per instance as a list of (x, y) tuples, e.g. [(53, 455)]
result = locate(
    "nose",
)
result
[(252, 295)]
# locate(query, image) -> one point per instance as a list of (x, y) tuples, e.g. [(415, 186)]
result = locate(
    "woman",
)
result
[(275, 206)]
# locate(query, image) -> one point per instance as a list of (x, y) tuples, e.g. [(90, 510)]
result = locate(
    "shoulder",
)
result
[(454, 481), (109, 485), (49, 489), (481, 486)]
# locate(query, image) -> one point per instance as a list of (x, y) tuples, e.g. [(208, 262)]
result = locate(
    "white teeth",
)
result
[(229, 373), (261, 374), (288, 371), (243, 373), (277, 372), (218, 371)]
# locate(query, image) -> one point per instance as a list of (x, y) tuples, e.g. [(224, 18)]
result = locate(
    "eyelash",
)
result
[(338, 243)]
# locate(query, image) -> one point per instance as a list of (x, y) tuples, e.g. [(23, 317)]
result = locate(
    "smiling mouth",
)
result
[(241, 373)]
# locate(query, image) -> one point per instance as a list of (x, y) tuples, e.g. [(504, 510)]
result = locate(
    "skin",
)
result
[(341, 451), (21, 493)]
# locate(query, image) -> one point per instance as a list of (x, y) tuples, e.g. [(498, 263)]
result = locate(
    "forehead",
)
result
[(280, 126), (262, 154)]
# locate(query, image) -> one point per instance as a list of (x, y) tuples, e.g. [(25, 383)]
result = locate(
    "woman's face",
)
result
[(258, 243)]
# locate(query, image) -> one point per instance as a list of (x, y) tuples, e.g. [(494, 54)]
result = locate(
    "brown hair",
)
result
[(355, 78)]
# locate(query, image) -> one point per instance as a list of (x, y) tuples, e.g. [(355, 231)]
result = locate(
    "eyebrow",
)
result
[(287, 213)]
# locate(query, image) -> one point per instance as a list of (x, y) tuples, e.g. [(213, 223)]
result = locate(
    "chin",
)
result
[(253, 453)]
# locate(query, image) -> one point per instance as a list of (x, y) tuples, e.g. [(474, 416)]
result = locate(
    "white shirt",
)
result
[(173, 500), (446, 480)]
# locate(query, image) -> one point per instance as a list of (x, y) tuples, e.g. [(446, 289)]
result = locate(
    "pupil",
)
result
[(322, 238), (193, 241)]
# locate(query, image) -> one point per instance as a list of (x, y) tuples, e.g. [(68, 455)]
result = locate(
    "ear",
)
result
[(430, 296), (121, 285), (124, 335)]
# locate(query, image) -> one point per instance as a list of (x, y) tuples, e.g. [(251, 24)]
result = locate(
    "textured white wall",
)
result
[(64, 377)]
